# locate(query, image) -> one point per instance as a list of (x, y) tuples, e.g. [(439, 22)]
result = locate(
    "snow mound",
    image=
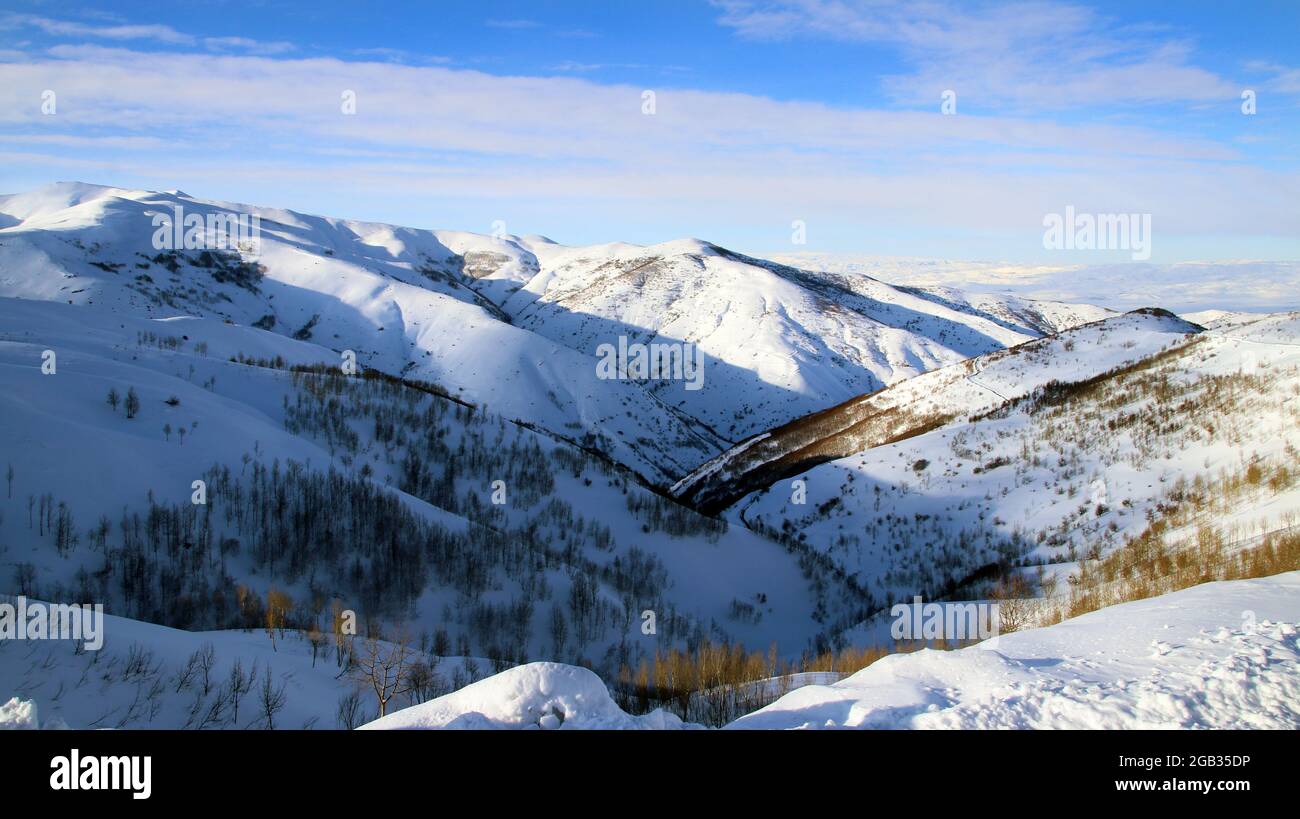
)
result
[(536, 695), (1221, 655), (18, 715)]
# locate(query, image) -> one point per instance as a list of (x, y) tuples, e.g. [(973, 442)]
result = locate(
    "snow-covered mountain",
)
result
[(182, 439), (397, 297), (778, 342), (447, 544), (1069, 446), (916, 405), (516, 323)]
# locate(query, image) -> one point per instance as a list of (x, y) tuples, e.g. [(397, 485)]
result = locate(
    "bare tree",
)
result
[(278, 606), (213, 715), (240, 684), (384, 667), (185, 674), (559, 629), (348, 715), (272, 699), (424, 682), (1014, 601), (207, 659)]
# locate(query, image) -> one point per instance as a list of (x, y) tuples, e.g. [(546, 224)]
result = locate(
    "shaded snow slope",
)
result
[(65, 442), (138, 680), (1221, 655)]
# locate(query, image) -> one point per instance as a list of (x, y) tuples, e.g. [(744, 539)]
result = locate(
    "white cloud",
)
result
[(1280, 78), (64, 28), (431, 131), (1040, 55), (150, 32), (247, 45)]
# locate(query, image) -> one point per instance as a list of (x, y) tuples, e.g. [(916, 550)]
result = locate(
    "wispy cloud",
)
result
[(65, 28), (1280, 78), (1044, 55), (155, 32), (247, 45), (576, 67), (431, 131), (399, 55), (513, 23)]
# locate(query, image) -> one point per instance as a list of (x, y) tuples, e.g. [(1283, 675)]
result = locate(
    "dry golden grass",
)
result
[(1150, 565)]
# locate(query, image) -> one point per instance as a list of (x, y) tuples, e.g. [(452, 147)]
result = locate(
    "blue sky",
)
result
[(766, 112)]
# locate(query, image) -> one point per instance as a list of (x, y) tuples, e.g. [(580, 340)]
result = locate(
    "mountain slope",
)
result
[(516, 323), (394, 296), (1199, 433), (777, 342), (387, 499), (919, 404)]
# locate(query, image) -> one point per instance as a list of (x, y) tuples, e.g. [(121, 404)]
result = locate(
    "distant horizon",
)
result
[(1057, 262), (1191, 286)]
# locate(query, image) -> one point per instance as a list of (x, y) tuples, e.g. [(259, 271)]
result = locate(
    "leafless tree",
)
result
[(239, 684), (207, 659), (384, 667), (424, 682), (272, 698), (348, 715)]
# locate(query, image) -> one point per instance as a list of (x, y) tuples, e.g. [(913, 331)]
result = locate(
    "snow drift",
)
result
[(18, 715), (537, 695), (1220, 655)]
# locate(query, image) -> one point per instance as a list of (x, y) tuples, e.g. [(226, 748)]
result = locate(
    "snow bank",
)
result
[(17, 715), (1221, 655), (536, 695)]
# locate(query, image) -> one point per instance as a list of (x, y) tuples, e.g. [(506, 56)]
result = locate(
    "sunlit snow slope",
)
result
[(1220, 655)]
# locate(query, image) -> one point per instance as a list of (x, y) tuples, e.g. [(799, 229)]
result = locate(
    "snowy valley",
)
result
[(240, 451)]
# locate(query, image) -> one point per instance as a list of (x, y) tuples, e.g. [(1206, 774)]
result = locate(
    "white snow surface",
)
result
[(18, 715), (1220, 655), (543, 696)]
